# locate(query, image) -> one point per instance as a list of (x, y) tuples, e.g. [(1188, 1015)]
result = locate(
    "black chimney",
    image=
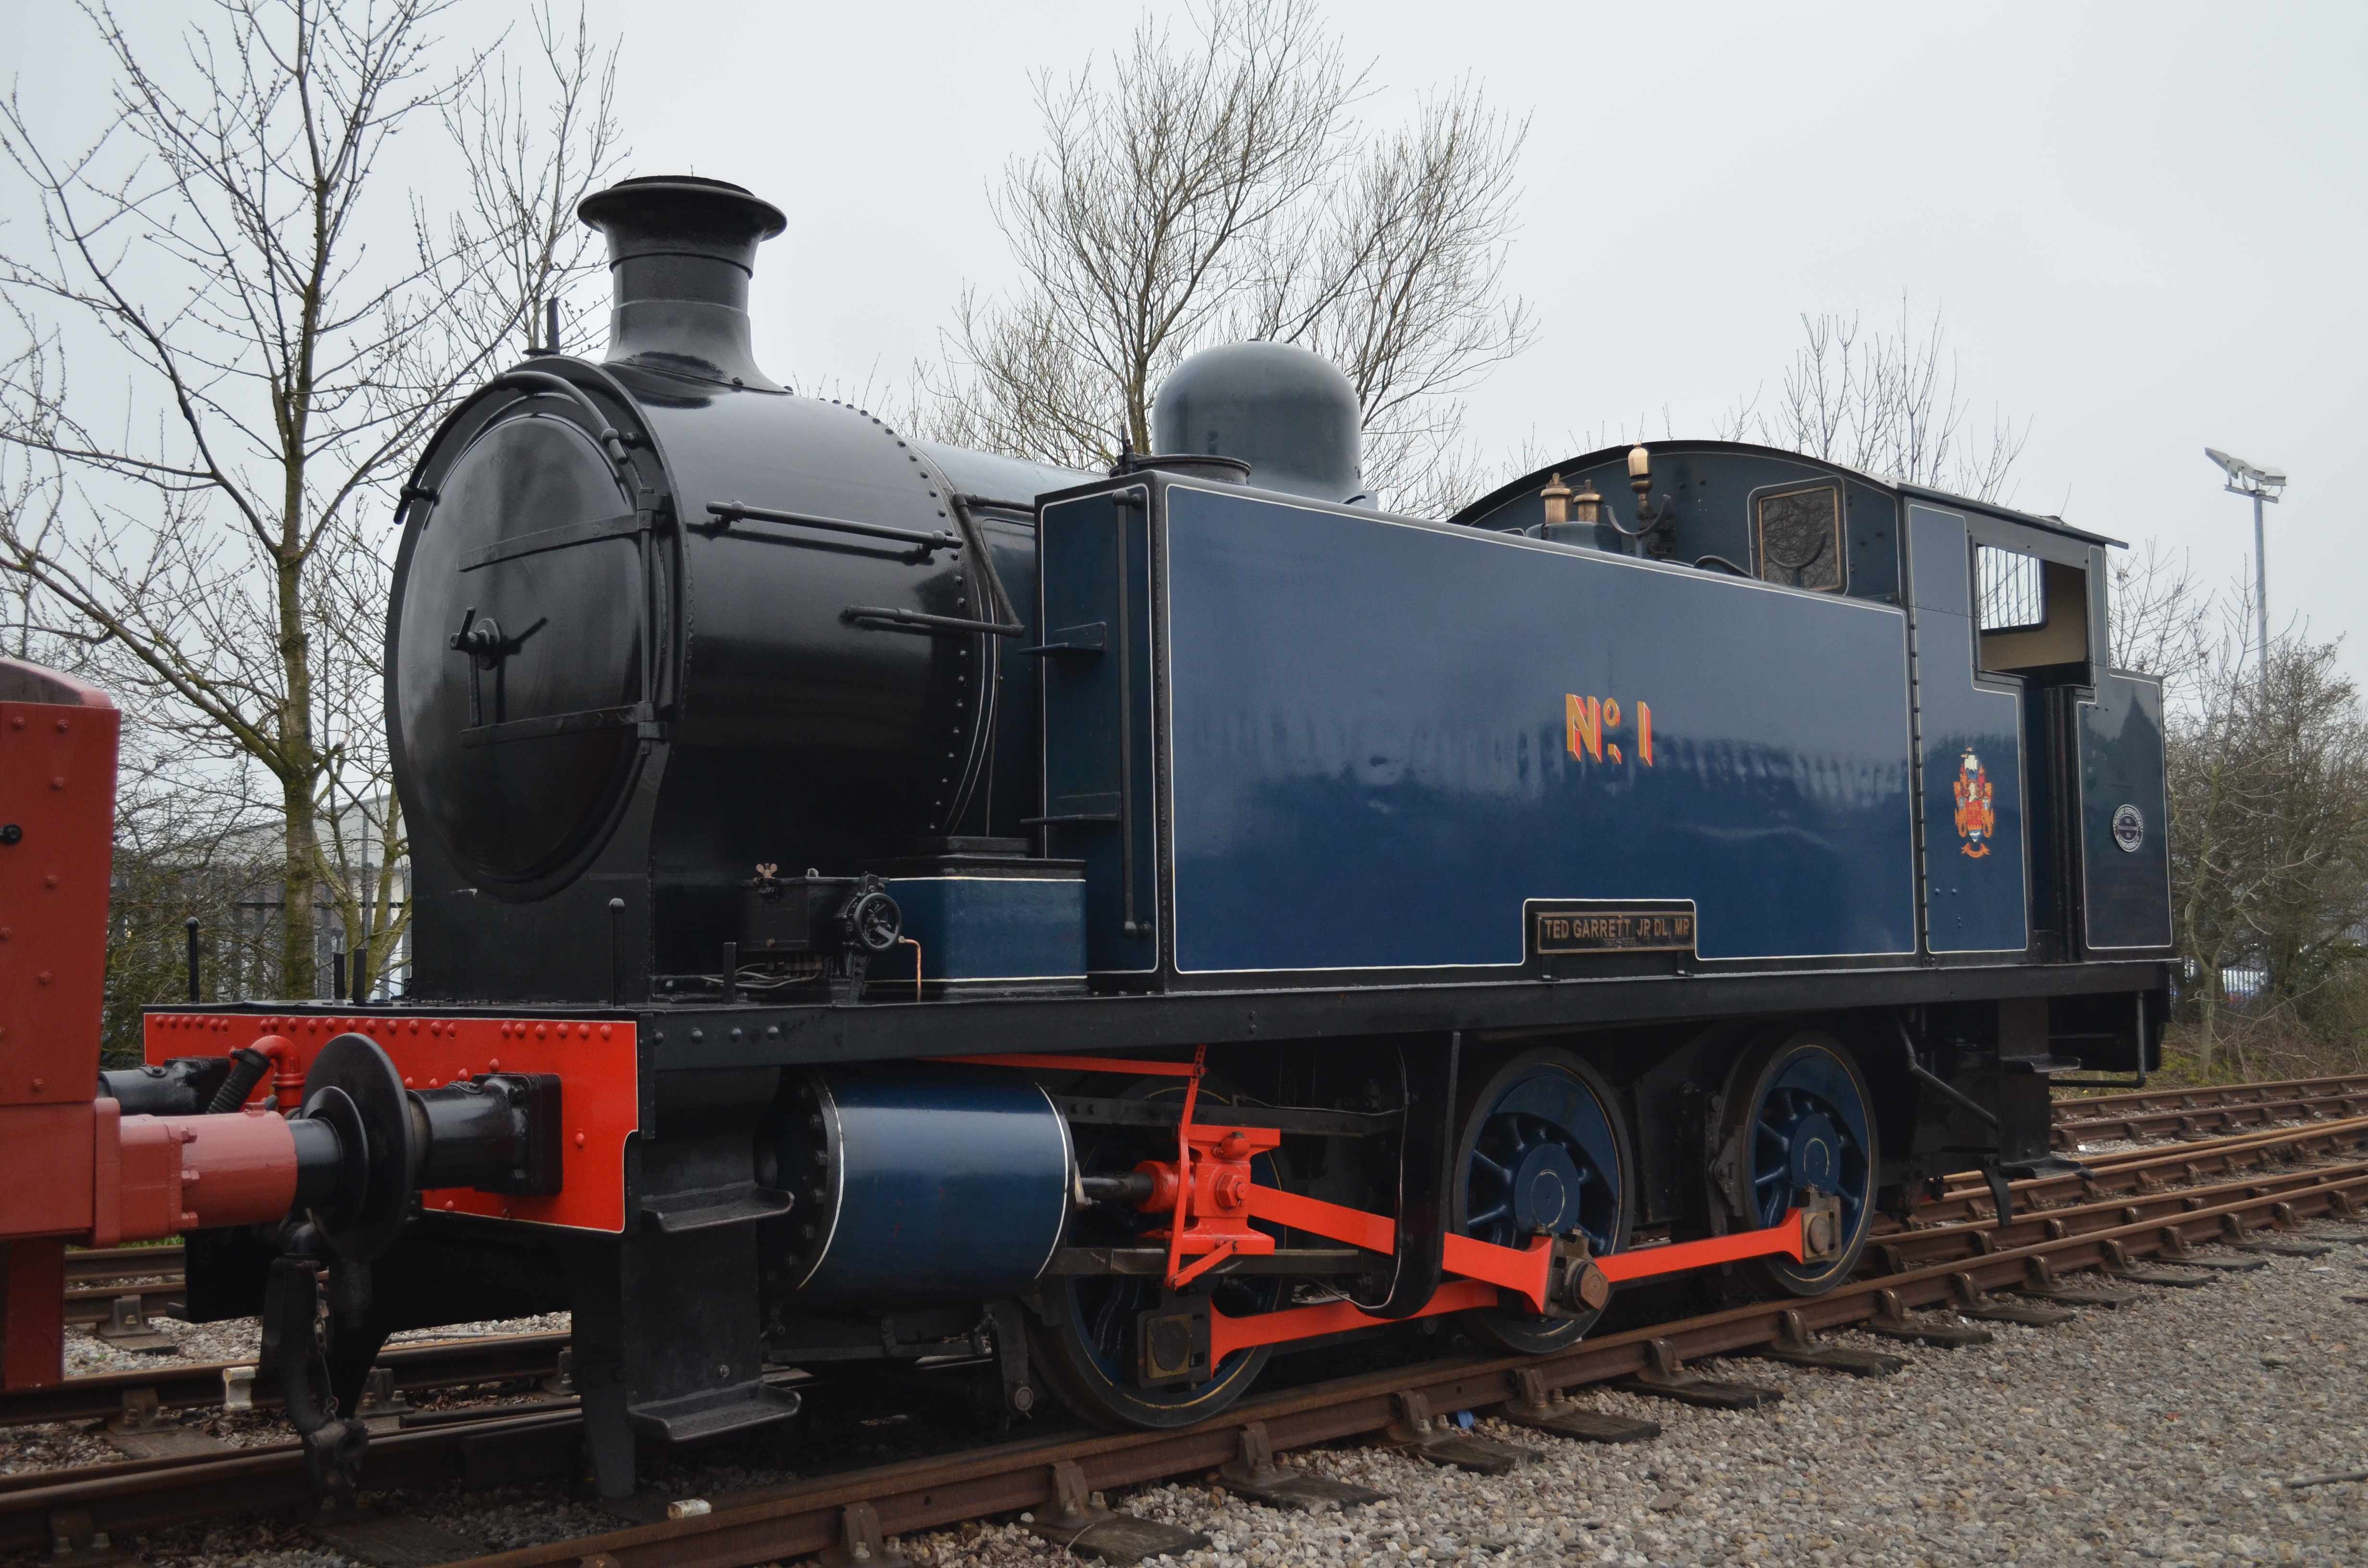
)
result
[(681, 250)]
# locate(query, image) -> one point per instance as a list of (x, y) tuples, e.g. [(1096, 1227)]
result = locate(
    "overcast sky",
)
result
[(2144, 224)]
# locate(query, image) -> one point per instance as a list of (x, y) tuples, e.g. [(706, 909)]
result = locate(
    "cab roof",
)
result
[(1537, 478)]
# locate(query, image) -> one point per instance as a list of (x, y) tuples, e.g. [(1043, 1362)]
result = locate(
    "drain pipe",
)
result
[(1922, 1075)]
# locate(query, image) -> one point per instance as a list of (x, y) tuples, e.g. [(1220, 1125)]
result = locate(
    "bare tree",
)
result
[(188, 846), (364, 845), (1401, 284), (2269, 791), (538, 138), (221, 249), (1224, 192), (184, 838), (2160, 621), (1886, 404)]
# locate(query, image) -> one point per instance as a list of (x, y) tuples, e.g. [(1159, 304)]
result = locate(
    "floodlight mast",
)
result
[(2261, 484)]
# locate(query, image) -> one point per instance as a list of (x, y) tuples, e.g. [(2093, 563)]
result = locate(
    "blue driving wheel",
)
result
[(1084, 1335), (1799, 1128), (1543, 1152)]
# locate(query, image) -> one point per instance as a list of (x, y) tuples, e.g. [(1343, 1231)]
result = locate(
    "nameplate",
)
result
[(1614, 928)]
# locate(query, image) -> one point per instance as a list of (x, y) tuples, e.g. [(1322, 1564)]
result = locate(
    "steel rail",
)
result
[(809, 1515), (137, 1494), (97, 1278), (438, 1364), (2138, 1125), (85, 1264), (2159, 1153), (1900, 1250), (95, 1303), (2207, 1096), (2122, 1159), (448, 1364), (2139, 1170)]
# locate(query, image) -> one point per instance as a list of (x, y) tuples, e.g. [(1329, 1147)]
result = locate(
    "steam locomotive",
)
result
[(878, 903)]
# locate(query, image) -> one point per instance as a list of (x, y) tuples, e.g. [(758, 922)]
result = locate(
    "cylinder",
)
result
[(944, 1189)]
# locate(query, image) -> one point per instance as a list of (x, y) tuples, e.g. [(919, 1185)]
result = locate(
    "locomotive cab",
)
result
[(2023, 728)]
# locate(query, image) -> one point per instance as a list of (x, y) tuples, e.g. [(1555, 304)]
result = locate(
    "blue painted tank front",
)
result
[(1385, 736)]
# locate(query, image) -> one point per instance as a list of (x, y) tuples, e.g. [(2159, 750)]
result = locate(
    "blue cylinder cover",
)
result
[(946, 1187)]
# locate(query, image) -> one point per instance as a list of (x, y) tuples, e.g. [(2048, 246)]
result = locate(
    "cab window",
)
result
[(2031, 613), (1798, 536)]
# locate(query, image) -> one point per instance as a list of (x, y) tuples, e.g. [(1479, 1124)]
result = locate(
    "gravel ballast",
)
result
[(2168, 1431), (2172, 1430)]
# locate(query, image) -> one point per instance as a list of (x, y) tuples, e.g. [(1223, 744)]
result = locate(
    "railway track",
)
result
[(184, 1385), (1045, 1474), (2140, 1125), (2147, 1170), (2079, 1108), (2203, 1098), (420, 1367), (1960, 1265), (92, 1266), (121, 1288)]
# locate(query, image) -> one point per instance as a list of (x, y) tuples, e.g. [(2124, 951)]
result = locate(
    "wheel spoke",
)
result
[(1509, 1143), (1108, 1334)]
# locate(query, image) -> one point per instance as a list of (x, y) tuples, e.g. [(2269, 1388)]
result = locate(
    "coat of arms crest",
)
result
[(1977, 818)]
